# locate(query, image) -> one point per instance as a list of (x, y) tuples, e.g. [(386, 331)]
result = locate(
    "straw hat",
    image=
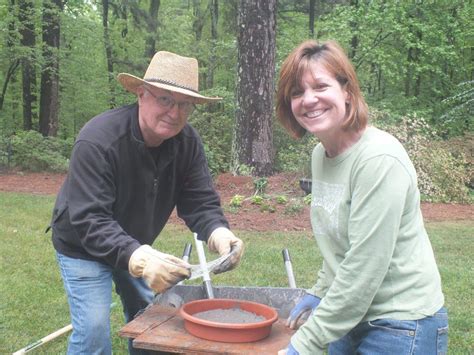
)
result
[(171, 72)]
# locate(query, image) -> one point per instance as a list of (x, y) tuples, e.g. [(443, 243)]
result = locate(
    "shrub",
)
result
[(281, 200), (33, 152), (260, 185), (442, 177), (214, 122), (256, 200), (294, 207), (293, 155), (236, 201)]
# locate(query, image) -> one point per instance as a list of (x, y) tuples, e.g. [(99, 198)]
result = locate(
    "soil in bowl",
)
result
[(229, 315), (228, 328)]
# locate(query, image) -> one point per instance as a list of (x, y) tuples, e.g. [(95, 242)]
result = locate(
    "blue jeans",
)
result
[(88, 287), (426, 336)]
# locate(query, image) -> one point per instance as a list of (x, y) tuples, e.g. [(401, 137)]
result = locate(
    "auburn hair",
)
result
[(336, 62)]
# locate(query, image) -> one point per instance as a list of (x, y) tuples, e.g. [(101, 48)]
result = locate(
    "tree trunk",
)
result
[(10, 74), (214, 8), (28, 41), (312, 4), (49, 102), (152, 25), (413, 77), (14, 62), (354, 25), (108, 52), (253, 135), (198, 23)]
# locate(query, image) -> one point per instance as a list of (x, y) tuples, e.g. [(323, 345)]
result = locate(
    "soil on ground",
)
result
[(268, 216)]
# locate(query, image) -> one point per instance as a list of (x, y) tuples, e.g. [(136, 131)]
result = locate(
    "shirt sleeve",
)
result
[(91, 196), (321, 286), (378, 191)]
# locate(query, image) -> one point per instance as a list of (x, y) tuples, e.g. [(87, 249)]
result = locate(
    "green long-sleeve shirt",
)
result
[(378, 260)]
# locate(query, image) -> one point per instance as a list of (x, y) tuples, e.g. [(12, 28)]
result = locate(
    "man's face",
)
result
[(162, 114)]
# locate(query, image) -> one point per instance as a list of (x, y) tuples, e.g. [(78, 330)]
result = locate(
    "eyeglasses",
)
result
[(168, 102)]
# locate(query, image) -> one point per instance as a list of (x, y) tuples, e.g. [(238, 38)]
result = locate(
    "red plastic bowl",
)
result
[(228, 332)]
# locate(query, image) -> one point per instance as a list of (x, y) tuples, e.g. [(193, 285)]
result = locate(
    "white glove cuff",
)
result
[(138, 260), (212, 243)]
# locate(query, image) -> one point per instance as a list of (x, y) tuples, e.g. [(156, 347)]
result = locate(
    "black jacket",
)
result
[(119, 194)]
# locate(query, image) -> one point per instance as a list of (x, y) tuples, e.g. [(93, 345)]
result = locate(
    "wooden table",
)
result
[(160, 328)]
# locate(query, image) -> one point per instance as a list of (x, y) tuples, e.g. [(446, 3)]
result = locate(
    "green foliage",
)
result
[(293, 155), (214, 124), (33, 152), (244, 170), (260, 185), (281, 199), (266, 207), (459, 110), (442, 177), (409, 57), (237, 200), (257, 200), (294, 207), (307, 199)]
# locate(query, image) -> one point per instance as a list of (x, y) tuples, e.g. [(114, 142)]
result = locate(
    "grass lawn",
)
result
[(33, 302)]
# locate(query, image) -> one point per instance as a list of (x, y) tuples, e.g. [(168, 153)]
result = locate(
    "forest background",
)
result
[(415, 61)]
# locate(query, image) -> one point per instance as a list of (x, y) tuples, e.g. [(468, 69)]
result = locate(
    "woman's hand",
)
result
[(308, 303)]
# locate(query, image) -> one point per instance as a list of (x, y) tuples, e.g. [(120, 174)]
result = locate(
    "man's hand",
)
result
[(161, 271), (308, 303), (223, 241)]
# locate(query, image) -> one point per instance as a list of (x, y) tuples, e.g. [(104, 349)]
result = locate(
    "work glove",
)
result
[(160, 271), (290, 350), (308, 303), (223, 241)]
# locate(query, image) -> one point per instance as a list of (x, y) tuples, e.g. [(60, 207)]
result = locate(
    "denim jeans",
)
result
[(426, 336), (88, 287)]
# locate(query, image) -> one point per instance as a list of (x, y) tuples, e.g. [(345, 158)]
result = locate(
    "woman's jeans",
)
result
[(426, 336), (88, 286)]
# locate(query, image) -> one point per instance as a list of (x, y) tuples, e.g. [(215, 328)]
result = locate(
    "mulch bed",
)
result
[(249, 216)]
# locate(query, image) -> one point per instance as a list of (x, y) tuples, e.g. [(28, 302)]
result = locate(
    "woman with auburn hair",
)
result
[(378, 290)]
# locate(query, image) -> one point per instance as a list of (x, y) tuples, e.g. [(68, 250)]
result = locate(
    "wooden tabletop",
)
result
[(160, 328)]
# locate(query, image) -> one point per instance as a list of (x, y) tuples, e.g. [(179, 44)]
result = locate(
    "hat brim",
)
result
[(131, 83)]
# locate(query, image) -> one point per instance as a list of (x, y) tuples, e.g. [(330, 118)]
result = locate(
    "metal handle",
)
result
[(186, 255), (289, 268), (187, 251), (205, 272)]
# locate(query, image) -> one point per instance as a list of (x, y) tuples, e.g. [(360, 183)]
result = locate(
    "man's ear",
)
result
[(140, 91)]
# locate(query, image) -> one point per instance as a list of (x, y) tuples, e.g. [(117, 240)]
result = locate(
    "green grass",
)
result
[(33, 303)]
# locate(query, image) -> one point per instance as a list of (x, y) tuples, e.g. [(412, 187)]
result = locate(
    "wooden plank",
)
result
[(170, 336), (152, 317)]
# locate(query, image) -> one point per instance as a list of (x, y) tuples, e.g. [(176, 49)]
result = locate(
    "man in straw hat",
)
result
[(130, 167)]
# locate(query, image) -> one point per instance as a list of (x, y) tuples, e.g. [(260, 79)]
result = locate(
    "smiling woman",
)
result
[(319, 106), (365, 216)]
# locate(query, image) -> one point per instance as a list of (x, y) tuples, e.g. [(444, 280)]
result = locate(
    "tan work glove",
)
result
[(223, 241), (160, 271)]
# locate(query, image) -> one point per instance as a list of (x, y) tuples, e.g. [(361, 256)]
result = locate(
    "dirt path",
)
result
[(286, 217)]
